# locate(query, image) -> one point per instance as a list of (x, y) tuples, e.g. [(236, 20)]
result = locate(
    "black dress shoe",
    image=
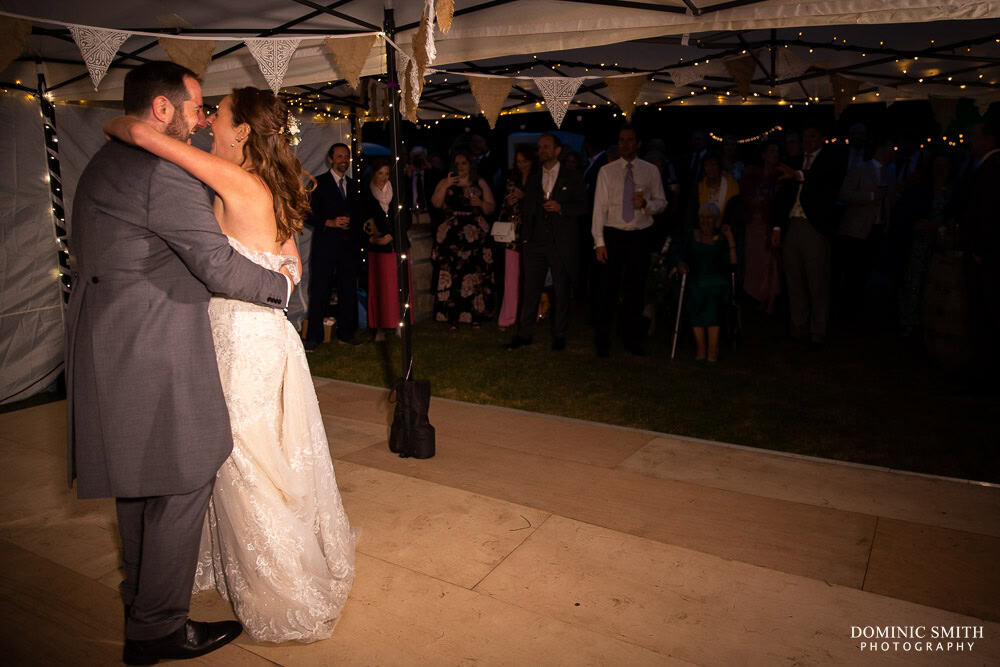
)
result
[(310, 345), (517, 342), (191, 640), (558, 344)]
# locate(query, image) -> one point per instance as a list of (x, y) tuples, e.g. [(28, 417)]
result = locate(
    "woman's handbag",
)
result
[(503, 232)]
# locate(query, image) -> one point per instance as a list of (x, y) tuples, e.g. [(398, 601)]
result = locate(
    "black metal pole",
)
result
[(55, 185), (398, 236)]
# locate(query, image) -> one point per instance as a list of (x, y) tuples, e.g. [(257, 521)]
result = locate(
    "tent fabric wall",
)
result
[(31, 312), (31, 316)]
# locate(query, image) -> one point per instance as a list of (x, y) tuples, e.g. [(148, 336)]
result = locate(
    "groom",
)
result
[(147, 419)]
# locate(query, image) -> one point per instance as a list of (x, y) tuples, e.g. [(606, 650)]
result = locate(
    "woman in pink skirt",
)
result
[(383, 296), (524, 164)]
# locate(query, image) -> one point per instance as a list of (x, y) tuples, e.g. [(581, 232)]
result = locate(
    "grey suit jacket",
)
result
[(146, 413), (862, 211)]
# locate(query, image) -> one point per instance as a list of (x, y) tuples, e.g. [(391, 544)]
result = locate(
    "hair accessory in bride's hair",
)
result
[(291, 130)]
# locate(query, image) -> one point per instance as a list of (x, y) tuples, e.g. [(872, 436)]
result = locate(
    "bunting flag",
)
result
[(349, 54), (887, 94), (98, 47), (411, 85), (983, 105), (944, 110), (13, 36), (377, 94), (445, 13), (195, 54), (741, 68), (844, 89), (273, 56), (682, 76), (490, 93), (558, 92), (790, 65), (625, 91), (424, 49)]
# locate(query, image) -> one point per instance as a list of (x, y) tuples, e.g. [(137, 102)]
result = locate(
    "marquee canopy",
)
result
[(893, 48)]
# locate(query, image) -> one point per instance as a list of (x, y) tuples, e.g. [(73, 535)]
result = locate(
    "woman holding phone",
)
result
[(462, 255)]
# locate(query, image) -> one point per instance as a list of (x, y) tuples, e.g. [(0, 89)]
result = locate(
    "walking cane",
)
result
[(677, 322)]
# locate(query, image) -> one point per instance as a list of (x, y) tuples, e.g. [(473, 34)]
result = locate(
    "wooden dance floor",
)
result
[(537, 540)]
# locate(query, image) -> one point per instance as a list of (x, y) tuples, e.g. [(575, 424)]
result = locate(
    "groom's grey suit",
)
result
[(147, 420)]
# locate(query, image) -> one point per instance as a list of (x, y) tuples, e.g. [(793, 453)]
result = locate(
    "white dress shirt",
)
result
[(808, 160), (549, 177), (608, 197), (337, 178)]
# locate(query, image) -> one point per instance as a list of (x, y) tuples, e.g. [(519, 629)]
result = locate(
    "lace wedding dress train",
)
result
[(276, 541)]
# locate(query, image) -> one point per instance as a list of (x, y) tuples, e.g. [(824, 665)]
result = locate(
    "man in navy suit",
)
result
[(549, 236), (336, 249)]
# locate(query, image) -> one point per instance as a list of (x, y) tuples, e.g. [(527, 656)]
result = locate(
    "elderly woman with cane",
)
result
[(707, 260)]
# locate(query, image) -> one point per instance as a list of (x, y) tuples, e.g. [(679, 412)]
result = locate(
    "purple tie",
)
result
[(628, 209)]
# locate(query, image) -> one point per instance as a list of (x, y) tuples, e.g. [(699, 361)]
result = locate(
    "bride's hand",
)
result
[(289, 248), (127, 128)]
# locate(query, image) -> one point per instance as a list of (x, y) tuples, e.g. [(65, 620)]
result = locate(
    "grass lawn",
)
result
[(868, 400)]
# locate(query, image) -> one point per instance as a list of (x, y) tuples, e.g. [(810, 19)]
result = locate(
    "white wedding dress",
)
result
[(276, 540)]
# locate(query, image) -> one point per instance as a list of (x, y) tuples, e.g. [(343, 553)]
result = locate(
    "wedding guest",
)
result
[(462, 254), (762, 275), (930, 209), (554, 200), (805, 220), (716, 186), (708, 258), (335, 257), (511, 211), (867, 191), (377, 202), (629, 193)]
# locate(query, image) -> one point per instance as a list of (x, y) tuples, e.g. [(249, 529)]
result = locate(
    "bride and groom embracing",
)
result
[(189, 396)]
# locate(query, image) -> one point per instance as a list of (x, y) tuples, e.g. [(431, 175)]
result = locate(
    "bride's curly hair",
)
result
[(268, 154)]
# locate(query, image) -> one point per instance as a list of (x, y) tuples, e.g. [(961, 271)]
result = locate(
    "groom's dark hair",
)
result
[(149, 80)]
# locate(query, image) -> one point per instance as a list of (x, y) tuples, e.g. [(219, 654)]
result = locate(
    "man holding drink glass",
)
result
[(629, 193)]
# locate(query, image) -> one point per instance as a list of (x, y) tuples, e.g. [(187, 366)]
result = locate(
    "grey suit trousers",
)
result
[(807, 272), (160, 540)]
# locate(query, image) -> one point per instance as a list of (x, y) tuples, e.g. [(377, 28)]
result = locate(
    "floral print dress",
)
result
[(463, 260)]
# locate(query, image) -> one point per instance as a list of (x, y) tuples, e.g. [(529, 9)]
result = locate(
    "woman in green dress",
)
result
[(707, 259)]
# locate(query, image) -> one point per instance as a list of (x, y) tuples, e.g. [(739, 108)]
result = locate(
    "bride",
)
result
[(276, 541)]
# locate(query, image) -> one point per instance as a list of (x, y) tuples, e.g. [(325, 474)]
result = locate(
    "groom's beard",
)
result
[(178, 129)]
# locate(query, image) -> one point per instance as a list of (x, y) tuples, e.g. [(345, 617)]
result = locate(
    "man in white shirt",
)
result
[(867, 191), (629, 193)]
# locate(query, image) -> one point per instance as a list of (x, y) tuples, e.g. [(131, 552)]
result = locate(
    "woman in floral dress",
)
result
[(462, 256)]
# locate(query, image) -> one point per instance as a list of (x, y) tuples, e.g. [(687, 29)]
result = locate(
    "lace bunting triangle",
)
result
[(682, 76), (558, 92), (273, 56), (98, 47)]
